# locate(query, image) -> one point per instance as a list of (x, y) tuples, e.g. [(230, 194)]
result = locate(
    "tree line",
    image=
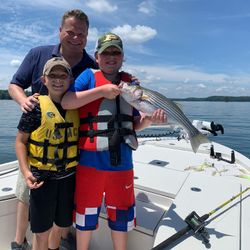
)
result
[(4, 95), (216, 99)]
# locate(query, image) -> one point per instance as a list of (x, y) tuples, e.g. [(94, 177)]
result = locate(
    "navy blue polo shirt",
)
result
[(31, 69)]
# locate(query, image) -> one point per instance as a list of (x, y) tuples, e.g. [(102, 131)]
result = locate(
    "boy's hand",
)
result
[(159, 116), (29, 103), (110, 91), (31, 181)]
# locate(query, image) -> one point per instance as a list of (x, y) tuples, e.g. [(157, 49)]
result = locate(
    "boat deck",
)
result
[(170, 182), (200, 184)]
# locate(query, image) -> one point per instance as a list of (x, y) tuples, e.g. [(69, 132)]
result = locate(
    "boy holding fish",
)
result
[(106, 139)]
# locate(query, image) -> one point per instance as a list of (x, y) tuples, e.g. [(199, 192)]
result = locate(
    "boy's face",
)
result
[(110, 60), (57, 81)]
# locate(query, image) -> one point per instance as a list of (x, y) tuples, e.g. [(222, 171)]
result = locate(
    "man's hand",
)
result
[(29, 103)]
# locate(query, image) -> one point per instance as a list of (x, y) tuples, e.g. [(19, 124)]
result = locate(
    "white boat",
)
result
[(170, 182)]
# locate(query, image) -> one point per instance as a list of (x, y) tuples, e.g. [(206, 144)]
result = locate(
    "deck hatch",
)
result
[(158, 163)]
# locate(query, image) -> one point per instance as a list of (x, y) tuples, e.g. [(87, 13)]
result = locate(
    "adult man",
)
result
[(73, 37)]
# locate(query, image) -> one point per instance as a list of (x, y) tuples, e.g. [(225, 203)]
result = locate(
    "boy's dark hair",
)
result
[(77, 14)]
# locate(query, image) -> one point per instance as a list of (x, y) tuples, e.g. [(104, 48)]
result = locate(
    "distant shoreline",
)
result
[(4, 95), (215, 99)]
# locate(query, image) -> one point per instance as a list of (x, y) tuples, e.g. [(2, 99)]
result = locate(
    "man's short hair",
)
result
[(77, 14)]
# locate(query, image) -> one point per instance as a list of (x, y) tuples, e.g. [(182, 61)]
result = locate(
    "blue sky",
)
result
[(181, 48)]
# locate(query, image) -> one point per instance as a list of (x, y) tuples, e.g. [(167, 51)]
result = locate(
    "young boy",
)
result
[(46, 148), (106, 139)]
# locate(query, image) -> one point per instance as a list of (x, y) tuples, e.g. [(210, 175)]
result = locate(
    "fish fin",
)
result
[(180, 106), (198, 139)]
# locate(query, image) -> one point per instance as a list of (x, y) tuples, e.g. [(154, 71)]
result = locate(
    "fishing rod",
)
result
[(196, 224)]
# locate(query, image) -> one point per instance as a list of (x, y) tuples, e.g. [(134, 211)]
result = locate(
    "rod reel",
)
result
[(197, 225)]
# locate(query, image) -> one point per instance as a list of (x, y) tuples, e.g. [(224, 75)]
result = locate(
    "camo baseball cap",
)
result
[(56, 61), (107, 40)]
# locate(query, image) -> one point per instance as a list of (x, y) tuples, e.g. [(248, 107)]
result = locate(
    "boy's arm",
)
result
[(143, 121), (72, 100), (22, 156)]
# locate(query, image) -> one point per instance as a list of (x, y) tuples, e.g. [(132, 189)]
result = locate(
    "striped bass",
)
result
[(147, 101)]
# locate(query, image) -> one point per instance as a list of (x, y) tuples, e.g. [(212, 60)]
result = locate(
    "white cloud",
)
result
[(147, 7), (101, 6), (180, 74), (176, 81), (137, 34), (93, 34), (31, 35), (201, 85), (45, 3), (8, 65), (15, 62), (221, 89)]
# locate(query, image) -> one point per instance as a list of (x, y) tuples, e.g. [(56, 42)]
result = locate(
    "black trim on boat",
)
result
[(7, 172)]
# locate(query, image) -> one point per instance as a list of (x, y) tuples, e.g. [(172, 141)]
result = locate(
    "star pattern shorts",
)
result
[(116, 188)]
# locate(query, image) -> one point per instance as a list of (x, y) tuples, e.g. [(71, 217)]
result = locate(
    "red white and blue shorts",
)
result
[(116, 188)]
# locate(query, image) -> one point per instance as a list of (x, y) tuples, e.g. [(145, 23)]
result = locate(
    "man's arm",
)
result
[(18, 95)]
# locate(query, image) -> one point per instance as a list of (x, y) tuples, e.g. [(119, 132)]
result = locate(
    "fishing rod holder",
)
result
[(218, 155), (197, 224), (210, 127)]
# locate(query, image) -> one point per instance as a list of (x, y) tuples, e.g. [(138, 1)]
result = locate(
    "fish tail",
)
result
[(198, 139)]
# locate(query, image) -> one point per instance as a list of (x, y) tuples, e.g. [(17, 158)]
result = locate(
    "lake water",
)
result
[(234, 116)]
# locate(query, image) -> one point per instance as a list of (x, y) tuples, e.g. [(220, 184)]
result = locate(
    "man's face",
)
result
[(73, 35)]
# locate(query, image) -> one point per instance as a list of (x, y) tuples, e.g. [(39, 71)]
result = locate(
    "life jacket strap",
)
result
[(106, 118), (58, 163), (45, 152), (106, 132), (60, 146)]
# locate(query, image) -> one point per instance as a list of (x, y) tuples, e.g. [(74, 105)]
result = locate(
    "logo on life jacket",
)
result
[(55, 134), (50, 114)]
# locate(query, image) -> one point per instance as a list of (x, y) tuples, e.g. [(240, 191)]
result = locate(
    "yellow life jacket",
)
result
[(53, 145)]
